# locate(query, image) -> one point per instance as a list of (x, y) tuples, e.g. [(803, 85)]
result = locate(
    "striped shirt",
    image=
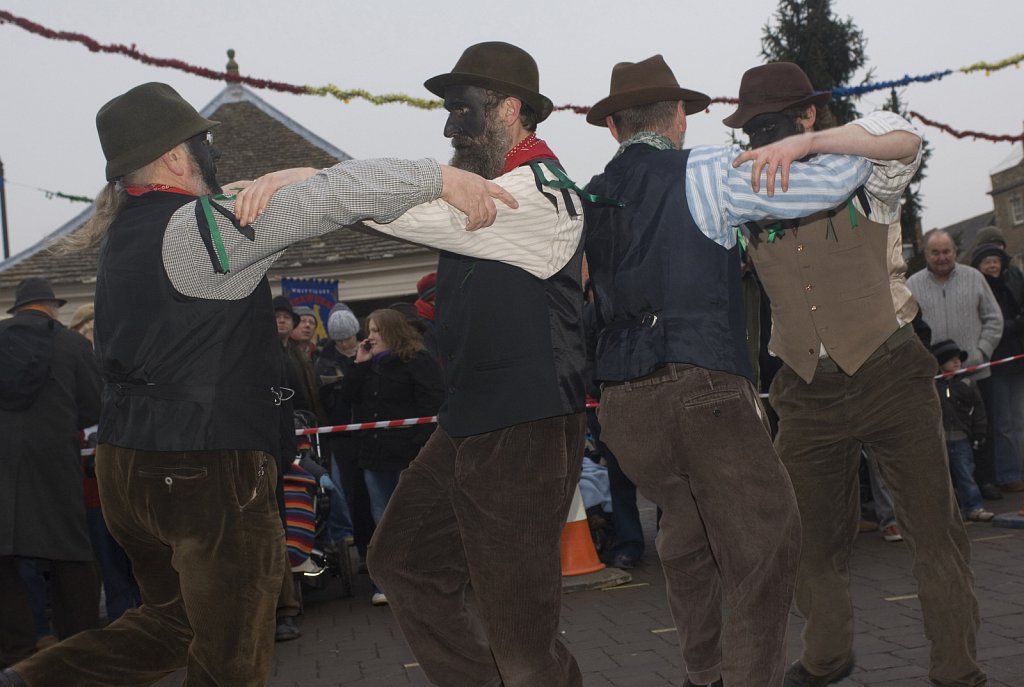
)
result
[(540, 236), (720, 197), (333, 198)]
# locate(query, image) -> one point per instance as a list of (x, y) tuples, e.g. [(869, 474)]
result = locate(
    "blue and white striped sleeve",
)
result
[(720, 197)]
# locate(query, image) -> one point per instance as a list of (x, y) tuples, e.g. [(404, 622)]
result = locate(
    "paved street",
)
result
[(624, 637)]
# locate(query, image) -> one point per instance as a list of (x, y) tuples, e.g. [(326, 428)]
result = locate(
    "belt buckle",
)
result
[(648, 320)]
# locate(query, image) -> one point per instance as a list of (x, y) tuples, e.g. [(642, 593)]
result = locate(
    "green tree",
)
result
[(828, 49), (910, 204)]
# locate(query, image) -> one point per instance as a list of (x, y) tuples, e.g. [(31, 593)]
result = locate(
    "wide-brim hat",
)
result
[(948, 349), (139, 126), (32, 290), (773, 87), (501, 67), (643, 83)]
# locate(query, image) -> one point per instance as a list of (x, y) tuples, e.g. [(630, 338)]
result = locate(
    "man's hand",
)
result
[(772, 157), (474, 196), (252, 200)]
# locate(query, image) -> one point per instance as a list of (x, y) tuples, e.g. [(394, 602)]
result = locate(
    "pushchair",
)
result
[(307, 508)]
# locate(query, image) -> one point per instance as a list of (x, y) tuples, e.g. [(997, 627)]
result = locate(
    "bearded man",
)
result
[(190, 410), (485, 501)]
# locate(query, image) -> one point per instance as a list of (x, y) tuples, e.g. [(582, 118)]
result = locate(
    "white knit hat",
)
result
[(342, 324)]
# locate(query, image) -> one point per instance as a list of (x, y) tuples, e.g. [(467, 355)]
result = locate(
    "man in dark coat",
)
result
[(42, 511)]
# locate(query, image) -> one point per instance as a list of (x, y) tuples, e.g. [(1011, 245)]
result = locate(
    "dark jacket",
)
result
[(42, 511), (1011, 304), (390, 389), (180, 373), (963, 412), (666, 293), (511, 344)]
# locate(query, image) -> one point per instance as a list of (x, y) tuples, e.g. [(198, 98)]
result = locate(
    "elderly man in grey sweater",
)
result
[(956, 302)]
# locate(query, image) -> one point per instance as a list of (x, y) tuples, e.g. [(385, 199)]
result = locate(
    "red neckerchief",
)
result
[(530, 148), (133, 190)]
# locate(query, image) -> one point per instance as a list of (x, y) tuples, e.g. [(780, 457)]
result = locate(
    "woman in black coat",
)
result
[(393, 378)]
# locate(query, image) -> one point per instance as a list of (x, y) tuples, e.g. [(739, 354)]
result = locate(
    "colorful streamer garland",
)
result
[(347, 95)]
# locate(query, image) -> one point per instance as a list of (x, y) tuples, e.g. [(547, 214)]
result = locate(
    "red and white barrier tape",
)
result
[(413, 421)]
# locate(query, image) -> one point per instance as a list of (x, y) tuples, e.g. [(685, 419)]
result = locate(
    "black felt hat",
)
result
[(139, 126), (500, 67), (34, 289), (282, 303)]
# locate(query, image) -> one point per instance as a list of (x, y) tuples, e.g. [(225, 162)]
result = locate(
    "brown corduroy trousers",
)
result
[(696, 442), (204, 536), (485, 511), (890, 405)]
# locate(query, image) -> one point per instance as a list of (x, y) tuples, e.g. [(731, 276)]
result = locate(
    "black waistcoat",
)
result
[(180, 373), (666, 292), (511, 345)]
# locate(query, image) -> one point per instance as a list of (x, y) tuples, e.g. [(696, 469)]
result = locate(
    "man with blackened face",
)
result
[(514, 408), (854, 375)]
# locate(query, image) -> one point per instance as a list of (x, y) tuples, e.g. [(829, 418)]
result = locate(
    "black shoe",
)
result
[(717, 683), (990, 492), (287, 629), (624, 561), (797, 675), (9, 678)]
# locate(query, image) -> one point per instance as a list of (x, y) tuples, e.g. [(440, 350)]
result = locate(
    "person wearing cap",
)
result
[(303, 333), (350, 516), (191, 417), (855, 375), (672, 355), (42, 507), (965, 425), (1003, 392)]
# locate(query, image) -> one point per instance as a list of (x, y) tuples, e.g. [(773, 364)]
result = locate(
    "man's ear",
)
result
[(510, 109), (176, 160), (612, 128)]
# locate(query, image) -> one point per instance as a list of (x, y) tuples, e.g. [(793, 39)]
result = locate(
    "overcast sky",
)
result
[(50, 90)]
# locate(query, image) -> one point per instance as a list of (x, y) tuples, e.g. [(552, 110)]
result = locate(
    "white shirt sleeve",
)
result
[(889, 178), (540, 236)]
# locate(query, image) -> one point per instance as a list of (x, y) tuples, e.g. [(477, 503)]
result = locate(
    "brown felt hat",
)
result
[(500, 67), (644, 83), (139, 126), (773, 87)]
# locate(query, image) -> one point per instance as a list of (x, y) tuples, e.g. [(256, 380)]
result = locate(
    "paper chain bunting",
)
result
[(347, 95)]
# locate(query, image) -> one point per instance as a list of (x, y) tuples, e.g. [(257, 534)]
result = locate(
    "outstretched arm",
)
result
[(472, 195), (879, 136)]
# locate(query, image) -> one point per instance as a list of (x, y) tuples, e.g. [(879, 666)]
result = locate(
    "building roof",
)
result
[(254, 138)]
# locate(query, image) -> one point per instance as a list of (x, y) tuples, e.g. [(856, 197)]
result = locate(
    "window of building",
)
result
[(1017, 209)]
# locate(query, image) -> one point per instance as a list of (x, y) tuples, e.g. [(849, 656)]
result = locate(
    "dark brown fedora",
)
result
[(773, 87), (644, 83), (501, 67)]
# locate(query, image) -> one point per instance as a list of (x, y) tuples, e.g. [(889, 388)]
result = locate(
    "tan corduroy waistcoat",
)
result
[(829, 280)]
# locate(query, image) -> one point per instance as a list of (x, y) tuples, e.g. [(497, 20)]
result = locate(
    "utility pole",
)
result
[(3, 213)]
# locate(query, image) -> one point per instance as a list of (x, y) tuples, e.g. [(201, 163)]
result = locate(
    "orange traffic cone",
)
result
[(577, 548)]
